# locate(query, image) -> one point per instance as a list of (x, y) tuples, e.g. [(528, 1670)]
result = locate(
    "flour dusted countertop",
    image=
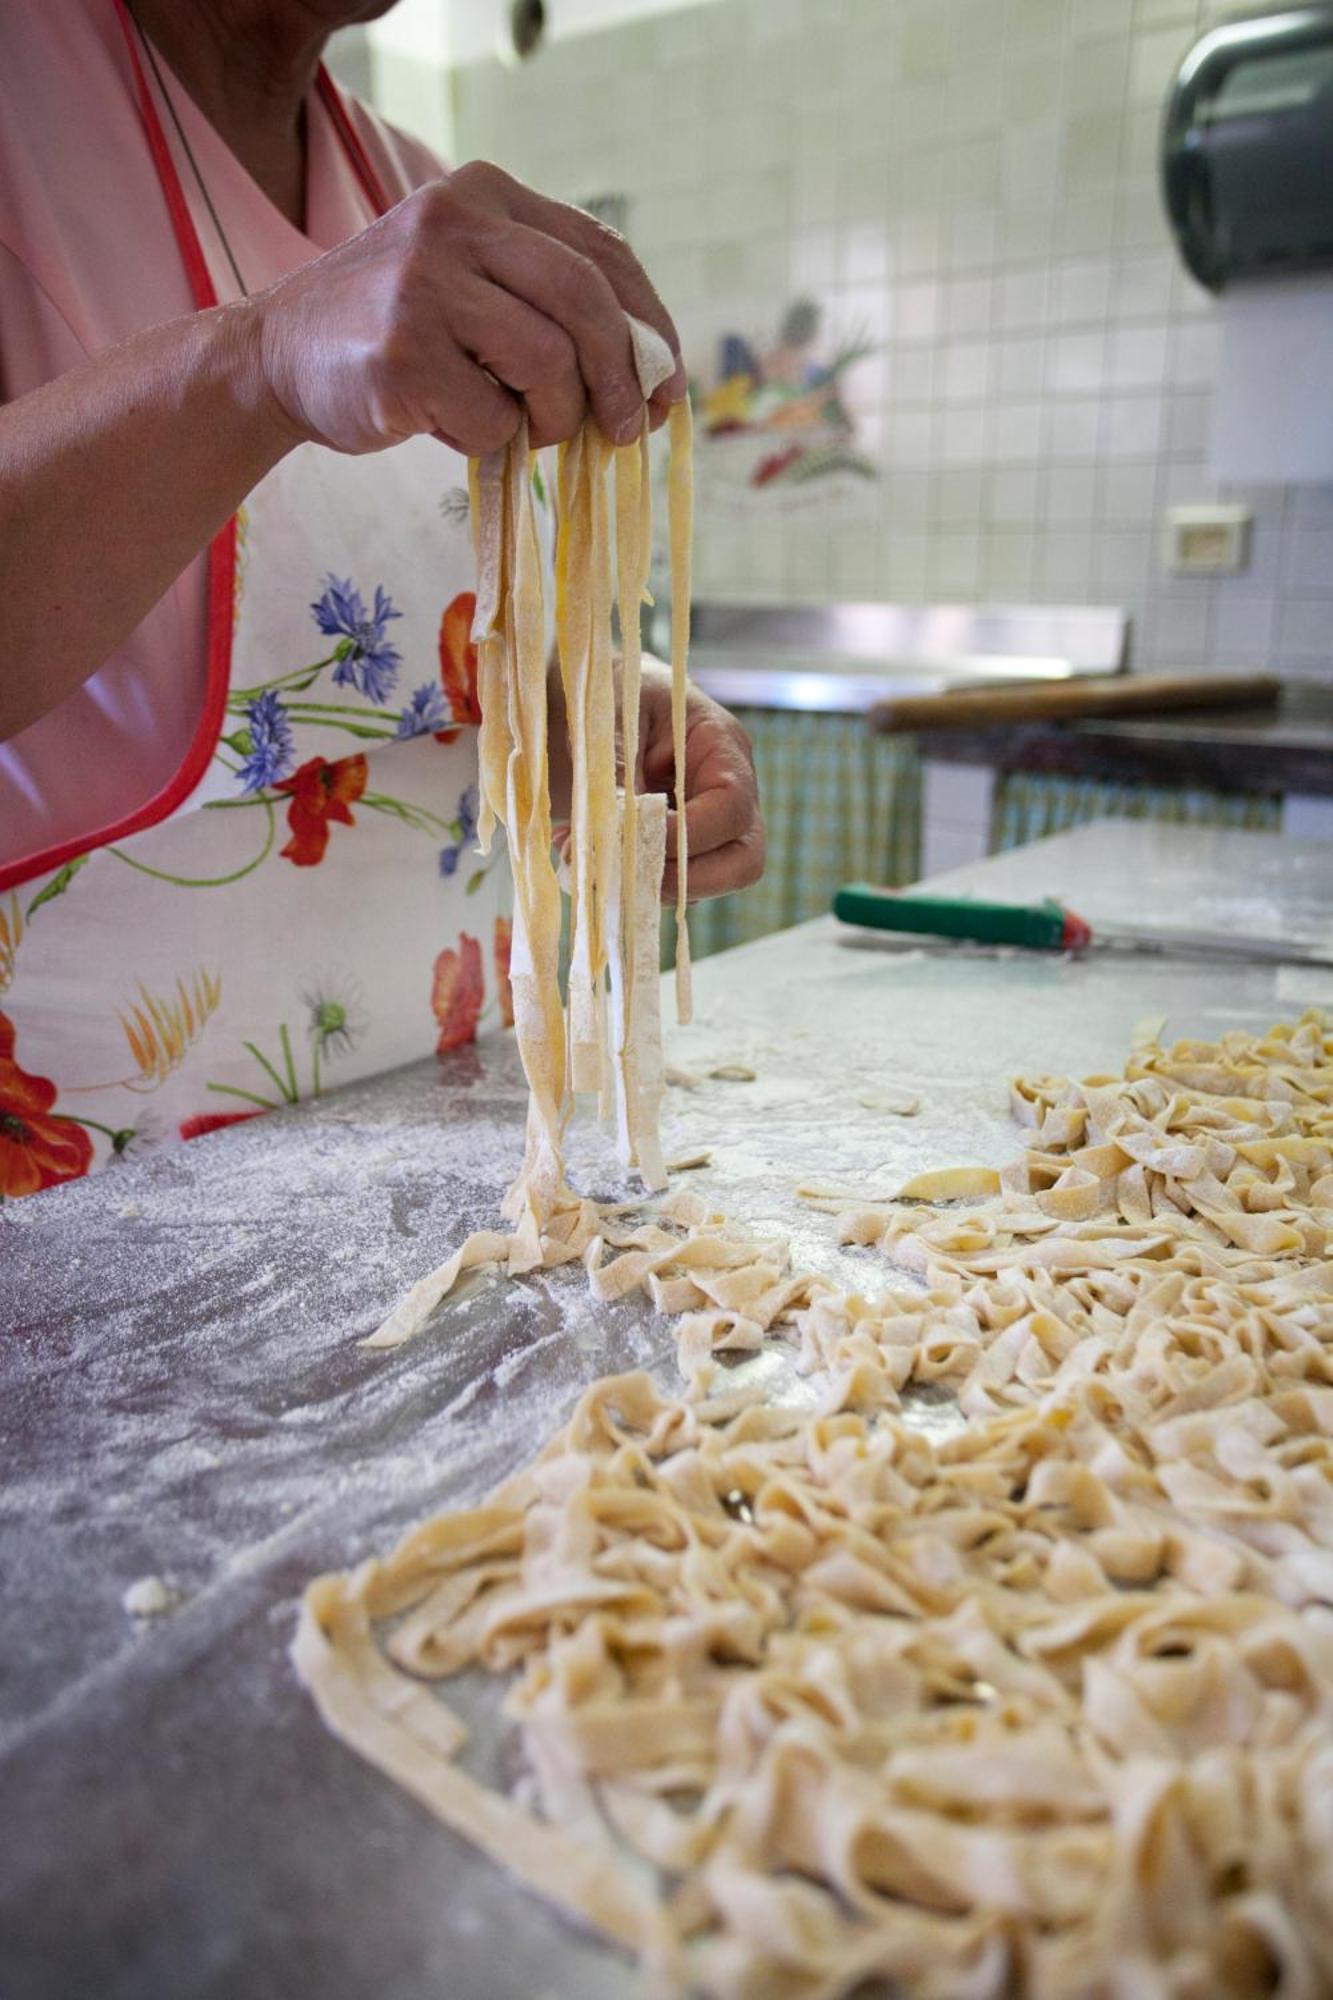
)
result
[(182, 1396)]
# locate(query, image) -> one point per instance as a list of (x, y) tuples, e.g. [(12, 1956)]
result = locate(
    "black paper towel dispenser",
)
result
[(1247, 147)]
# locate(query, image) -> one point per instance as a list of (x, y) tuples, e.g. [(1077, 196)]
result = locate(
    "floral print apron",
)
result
[(302, 905)]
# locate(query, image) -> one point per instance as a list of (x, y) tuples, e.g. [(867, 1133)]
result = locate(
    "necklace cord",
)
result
[(188, 150)]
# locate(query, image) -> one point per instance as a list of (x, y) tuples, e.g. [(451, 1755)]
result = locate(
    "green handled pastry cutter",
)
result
[(1049, 926)]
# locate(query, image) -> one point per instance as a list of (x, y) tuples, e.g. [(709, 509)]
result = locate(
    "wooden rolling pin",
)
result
[(1068, 701)]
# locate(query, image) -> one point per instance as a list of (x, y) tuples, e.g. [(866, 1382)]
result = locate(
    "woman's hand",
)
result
[(723, 824), (470, 300)]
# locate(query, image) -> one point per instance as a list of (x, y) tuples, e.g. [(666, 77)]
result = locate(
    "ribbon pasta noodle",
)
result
[(617, 839), (680, 518), (1042, 1708)]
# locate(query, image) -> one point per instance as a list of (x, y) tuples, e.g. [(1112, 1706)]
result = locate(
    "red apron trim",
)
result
[(352, 145), (187, 236), (221, 594), (222, 549)]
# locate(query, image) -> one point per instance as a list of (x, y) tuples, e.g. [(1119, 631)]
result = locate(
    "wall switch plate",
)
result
[(1211, 539)]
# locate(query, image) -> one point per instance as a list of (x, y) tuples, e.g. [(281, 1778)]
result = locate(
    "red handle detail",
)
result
[(1077, 933)]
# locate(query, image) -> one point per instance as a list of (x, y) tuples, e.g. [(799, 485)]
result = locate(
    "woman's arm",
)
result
[(112, 478), (467, 303)]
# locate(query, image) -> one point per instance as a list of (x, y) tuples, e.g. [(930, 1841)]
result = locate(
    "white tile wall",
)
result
[(976, 180)]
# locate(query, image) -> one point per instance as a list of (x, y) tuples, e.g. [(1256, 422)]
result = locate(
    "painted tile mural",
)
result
[(776, 422)]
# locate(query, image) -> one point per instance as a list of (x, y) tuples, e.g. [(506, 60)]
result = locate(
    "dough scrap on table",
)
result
[(1045, 1707), (149, 1597), (897, 1103), (951, 1184)]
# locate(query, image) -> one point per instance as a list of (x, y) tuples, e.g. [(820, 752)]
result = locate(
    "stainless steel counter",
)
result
[(843, 659), (181, 1394)]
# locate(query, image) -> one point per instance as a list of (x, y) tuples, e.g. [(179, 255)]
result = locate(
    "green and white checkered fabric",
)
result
[(1028, 806), (840, 805)]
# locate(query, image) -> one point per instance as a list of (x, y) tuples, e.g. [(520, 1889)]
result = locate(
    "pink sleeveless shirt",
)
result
[(88, 257)]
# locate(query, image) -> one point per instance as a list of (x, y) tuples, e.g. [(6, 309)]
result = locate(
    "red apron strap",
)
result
[(187, 236), (352, 145)]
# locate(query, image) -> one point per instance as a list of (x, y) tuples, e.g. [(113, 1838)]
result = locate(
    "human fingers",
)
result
[(721, 803), (450, 397), (530, 354), (359, 350), (584, 234), (459, 402), (721, 790), (569, 289), (737, 865)]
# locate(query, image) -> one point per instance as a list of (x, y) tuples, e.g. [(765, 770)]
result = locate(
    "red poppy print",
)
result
[(503, 944), (36, 1149), (213, 1121), (458, 664), (457, 992), (320, 793)]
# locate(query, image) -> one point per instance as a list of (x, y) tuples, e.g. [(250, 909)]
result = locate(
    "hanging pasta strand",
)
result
[(583, 595), (616, 845), (575, 546), (601, 713), (486, 506), (680, 522), (631, 579), (510, 633)]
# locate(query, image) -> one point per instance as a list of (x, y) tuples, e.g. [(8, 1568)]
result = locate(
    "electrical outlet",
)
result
[(1208, 540)]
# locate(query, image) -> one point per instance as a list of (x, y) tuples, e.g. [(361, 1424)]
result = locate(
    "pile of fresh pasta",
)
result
[(808, 1700)]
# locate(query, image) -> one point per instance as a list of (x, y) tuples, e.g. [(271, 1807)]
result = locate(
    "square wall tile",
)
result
[(1128, 492), (1121, 568), (1311, 506), (1018, 434), (1137, 358), (1156, 56), (1308, 564), (1076, 363), (1073, 428), (1244, 624), (917, 310), (967, 370), (967, 305), (1011, 497), (1305, 632), (1021, 361), (1082, 291), (1023, 297), (1071, 495), (1132, 426), (1007, 561)]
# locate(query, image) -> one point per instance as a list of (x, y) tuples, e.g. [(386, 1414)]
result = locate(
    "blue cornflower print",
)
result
[(467, 814), (365, 659), (449, 860), (425, 712), (272, 746)]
